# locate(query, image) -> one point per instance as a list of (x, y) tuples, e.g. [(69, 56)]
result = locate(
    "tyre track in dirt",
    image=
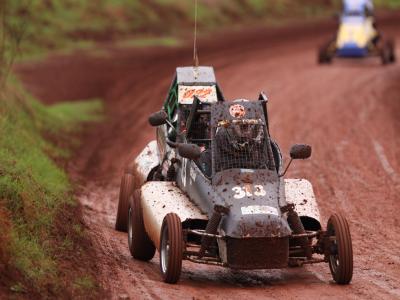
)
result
[(348, 111)]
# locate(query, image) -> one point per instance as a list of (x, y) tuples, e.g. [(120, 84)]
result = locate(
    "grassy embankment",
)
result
[(39, 219), (44, 251)]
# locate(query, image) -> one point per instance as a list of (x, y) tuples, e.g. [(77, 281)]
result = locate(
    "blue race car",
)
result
[(357, 37)]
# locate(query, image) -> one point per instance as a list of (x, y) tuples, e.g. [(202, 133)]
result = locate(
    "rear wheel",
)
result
[(126, 190), (392, 51), (140, 245), (171, 248), (340, 249), (387, 52)]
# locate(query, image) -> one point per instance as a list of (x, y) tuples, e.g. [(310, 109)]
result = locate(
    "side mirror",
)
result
[(300, 151), (189, 151), (159, 118)]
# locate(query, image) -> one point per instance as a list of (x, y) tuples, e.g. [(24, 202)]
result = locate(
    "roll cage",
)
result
[(190, 121), (189, 83), (258, 153), (203, 122)]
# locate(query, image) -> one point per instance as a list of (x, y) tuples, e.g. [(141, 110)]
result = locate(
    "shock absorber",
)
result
[(297, 227), (212, 227), (171, 172)]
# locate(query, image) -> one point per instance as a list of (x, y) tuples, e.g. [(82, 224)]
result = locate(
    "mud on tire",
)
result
[(126, 190), (140, 245), (171, 248), (340, 249)]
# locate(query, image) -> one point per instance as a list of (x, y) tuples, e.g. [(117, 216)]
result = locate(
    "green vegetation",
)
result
[(388, 4), (34, 191), (148, 42), (66, 24), (84, 282)]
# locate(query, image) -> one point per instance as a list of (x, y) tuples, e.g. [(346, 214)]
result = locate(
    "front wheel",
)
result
[(340, 249), (171, 248), (325, 53), (324, 57)]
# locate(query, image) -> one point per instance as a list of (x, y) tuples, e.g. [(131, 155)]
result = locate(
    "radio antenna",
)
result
[(195, 52)]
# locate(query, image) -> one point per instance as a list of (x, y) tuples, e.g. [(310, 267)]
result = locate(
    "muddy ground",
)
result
[(348, 111)]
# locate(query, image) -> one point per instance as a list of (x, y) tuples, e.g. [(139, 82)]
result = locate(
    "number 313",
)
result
[(248, 191)]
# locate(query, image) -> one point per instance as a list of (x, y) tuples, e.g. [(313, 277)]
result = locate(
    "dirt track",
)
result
[(349, 112)]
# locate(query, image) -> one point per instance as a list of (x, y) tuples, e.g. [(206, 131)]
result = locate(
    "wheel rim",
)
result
[(130, 231), (334, 258), (165, 248), (334, 261)]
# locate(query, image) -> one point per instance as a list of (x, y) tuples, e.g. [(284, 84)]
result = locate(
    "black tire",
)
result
[(126, 190), (340, 249), (387, 53), (324, 55), (392, 56), (140, 245), (171, 248)]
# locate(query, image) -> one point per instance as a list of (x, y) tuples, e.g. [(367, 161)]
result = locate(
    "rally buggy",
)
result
[(357, 37), (210, 190)]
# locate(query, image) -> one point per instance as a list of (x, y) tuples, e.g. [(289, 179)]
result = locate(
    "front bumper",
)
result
[(254, 253), (352, 50)]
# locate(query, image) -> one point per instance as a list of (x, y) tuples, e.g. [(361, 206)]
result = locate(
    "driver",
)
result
[(361, 6), (246, 132), (240, 146)]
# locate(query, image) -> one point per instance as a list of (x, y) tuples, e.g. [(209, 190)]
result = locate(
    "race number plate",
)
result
[(206, 94), (259, 210)]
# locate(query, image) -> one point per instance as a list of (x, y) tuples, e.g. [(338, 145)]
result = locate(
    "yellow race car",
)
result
[(357, 37)]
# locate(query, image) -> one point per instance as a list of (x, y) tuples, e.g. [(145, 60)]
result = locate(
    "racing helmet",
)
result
[(242, 128), (248, 131)]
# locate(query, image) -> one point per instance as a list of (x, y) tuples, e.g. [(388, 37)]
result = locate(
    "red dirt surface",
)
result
[(349, 112)]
